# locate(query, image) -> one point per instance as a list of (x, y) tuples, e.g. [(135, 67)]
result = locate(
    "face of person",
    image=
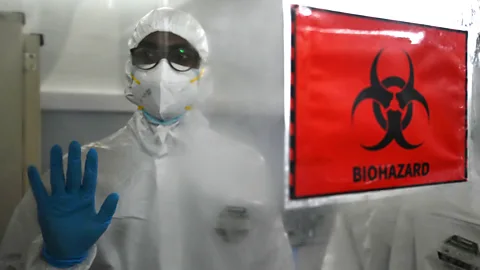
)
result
[(164, 74)]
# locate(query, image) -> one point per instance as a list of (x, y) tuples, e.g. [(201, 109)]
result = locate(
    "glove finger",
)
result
[(108, 209), (74, 170), (90, 174), (57, 178), (38, 189)]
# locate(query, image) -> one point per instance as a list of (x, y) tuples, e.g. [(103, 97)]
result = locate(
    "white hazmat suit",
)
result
[(189, 198)]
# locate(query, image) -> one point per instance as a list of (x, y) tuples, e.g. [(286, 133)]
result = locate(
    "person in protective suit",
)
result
[(189, 197)]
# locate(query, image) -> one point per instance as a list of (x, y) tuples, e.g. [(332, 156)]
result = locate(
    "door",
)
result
[(19, 111)]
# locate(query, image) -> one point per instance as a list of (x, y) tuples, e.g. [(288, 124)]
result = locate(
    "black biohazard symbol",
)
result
[(398, 107)]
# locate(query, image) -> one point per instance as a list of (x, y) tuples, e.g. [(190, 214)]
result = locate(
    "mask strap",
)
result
[(200, 75), (134, 79), (156, 121)]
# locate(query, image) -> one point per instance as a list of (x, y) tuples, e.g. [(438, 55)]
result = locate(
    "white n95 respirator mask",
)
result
[(162, 92)]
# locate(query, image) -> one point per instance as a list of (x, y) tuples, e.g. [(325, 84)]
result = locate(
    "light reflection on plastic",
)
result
[(415, 38), (305, 11), (164, 3)]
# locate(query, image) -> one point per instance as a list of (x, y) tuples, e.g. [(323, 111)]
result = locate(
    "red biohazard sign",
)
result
[(375, 104)]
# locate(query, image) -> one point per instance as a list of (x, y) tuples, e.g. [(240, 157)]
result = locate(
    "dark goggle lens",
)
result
[(183, 59), (145, 58), (180, 59)]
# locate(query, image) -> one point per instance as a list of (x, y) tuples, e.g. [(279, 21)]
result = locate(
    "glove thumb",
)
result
[(108, 209)]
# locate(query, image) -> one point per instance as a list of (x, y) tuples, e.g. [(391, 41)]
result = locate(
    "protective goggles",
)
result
[(180, 57)]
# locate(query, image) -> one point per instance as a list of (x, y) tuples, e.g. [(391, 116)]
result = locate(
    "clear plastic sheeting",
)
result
[(83, 62), (190, 197), (219, 213), (400, 232), (432, 232), (88, 45), (388, 229)]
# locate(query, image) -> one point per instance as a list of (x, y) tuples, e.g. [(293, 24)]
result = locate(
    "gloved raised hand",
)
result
[(69, 223)]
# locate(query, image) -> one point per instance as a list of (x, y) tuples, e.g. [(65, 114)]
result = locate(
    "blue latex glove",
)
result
[(69, 223)]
